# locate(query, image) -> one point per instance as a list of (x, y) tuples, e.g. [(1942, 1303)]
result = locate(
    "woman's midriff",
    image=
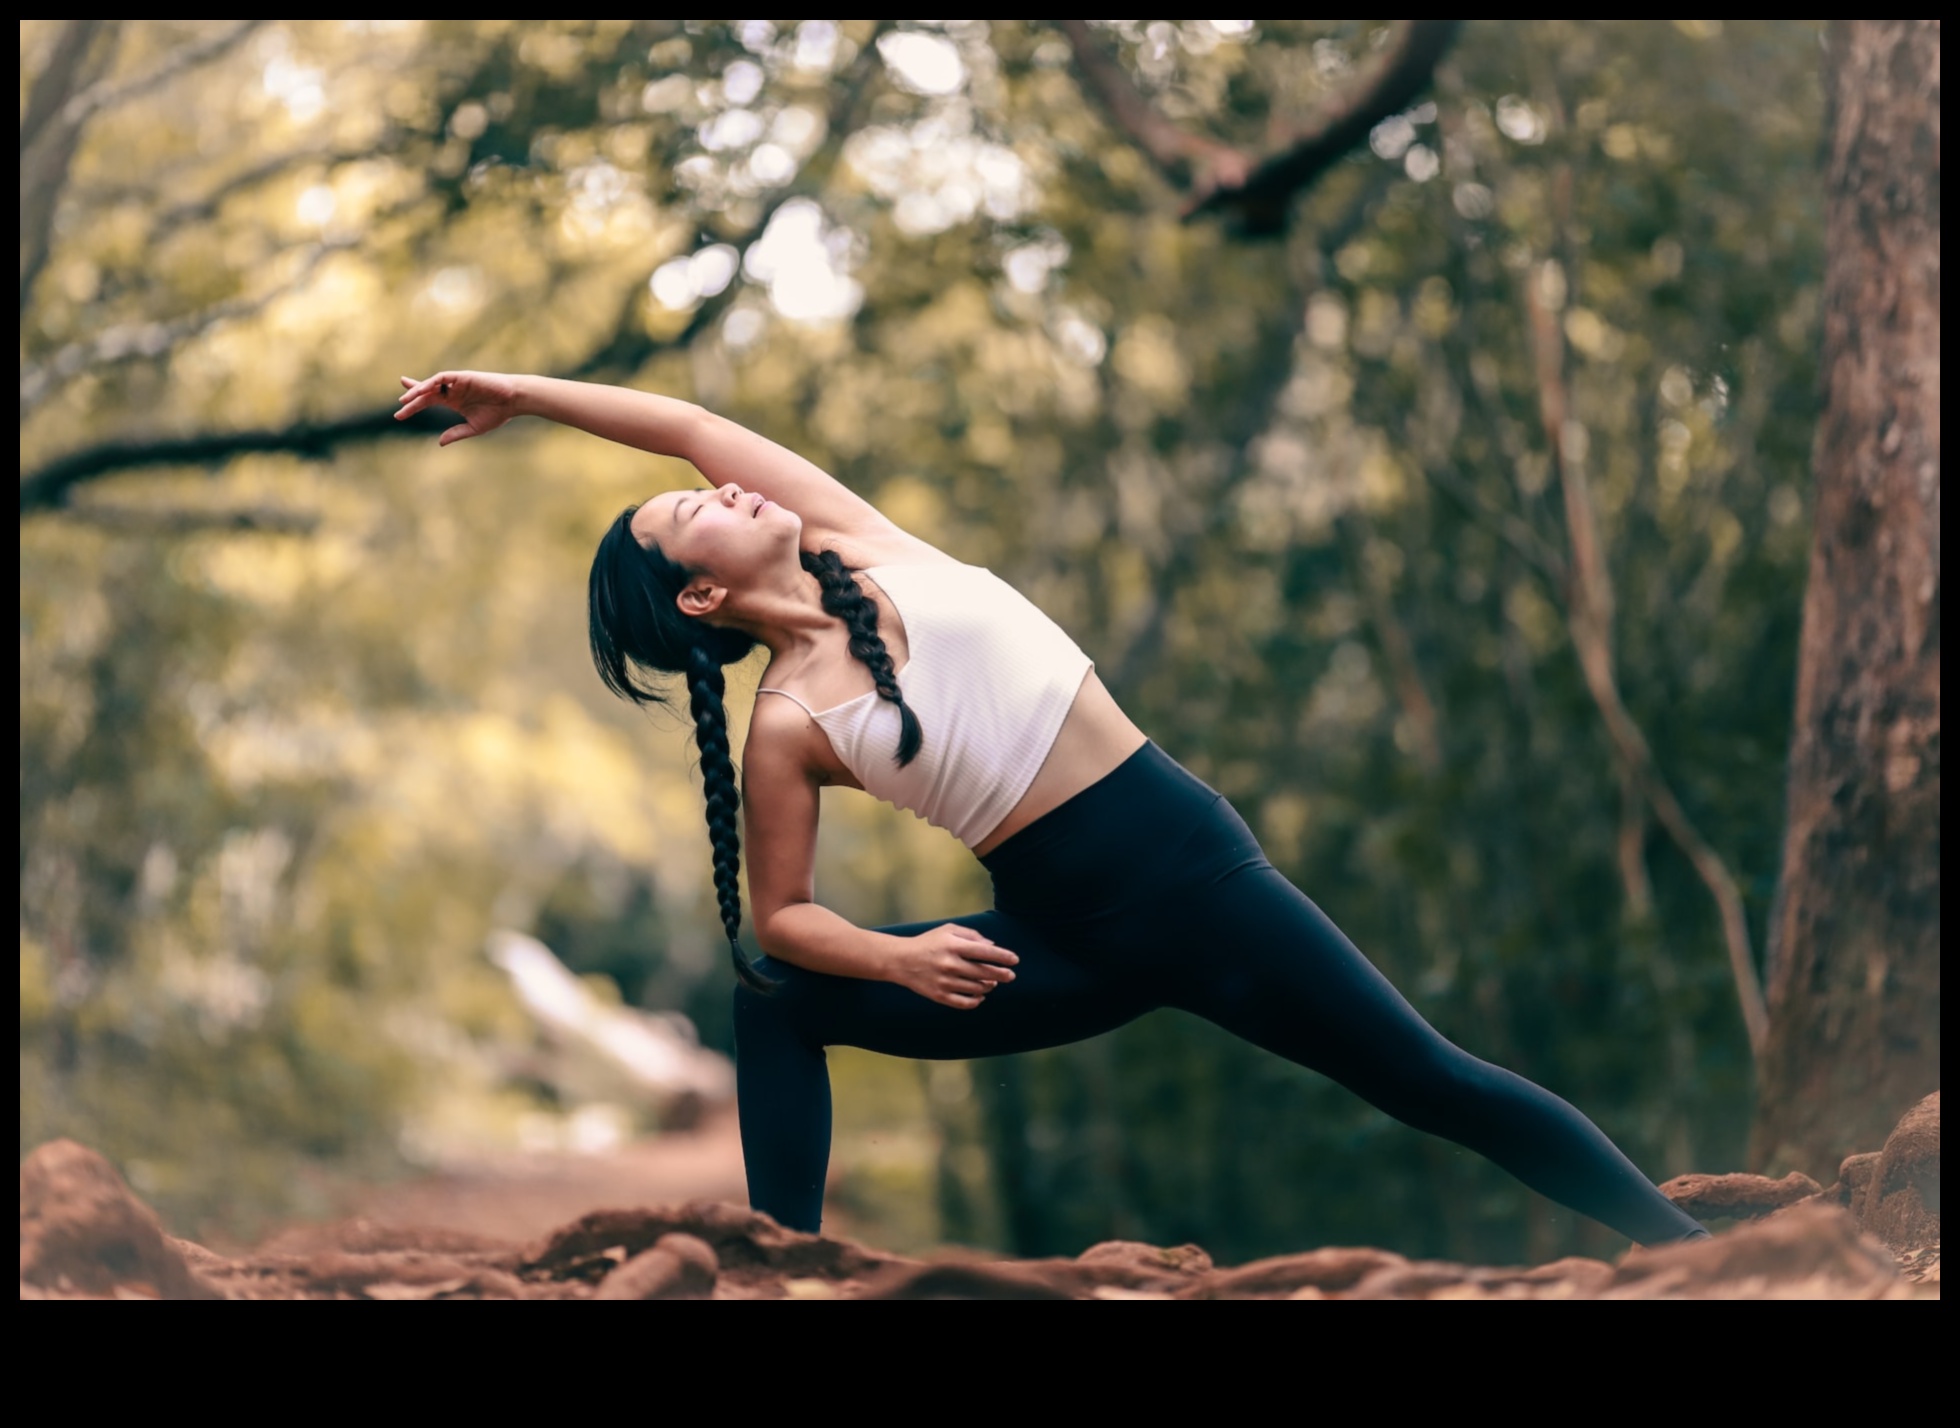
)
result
[(1096, 737)]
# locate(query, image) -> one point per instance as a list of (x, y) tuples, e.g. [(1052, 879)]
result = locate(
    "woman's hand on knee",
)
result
[(953, 965)]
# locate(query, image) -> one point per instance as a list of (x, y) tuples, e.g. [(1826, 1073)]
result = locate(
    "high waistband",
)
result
[(1126, 836)]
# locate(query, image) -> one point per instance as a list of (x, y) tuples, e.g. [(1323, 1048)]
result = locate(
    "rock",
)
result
[(1330, 1270), (200, 1259), (1570, 1278), (956, 1280), (677, 1267), (811, 1289), (1418, 1279), (1574, 1277), (385, 1274), (1854, 1174), (485, 1283), (85, 1235), (746, 1243), (1147, 1259), (1920, 1266), (1123, 1268), (82, 1229), (1740, 1197), (1809, 1251), (1901, 1202)]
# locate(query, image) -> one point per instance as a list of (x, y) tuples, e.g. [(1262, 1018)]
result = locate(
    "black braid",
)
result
[(705, 686), (636, 627), (845, 599)]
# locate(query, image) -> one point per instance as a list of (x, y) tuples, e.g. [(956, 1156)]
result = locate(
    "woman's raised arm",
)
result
[(720, 449)]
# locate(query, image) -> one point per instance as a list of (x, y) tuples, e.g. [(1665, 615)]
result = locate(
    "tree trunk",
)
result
[(1855, 941), (49, 134)]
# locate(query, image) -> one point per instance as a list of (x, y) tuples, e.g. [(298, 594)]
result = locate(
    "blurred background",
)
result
[(306, 714)]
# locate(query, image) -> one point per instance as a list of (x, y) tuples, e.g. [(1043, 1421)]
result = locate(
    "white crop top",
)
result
[(991, 679)]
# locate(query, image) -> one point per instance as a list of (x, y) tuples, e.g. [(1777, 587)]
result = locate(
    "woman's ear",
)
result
[(700, 598)]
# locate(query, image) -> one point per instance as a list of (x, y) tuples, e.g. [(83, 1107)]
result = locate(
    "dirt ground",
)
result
[(525, 1197), (664, 1220)]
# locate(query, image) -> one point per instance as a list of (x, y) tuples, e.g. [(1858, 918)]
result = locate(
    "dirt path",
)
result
[(521, 1198), (664, 1220)]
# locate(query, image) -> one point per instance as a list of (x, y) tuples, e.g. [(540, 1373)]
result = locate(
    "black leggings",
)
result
[(1148, 890)]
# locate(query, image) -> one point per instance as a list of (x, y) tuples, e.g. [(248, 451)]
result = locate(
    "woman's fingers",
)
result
[(418, 397), (447, 389), (976, 947), (964, 1003), (989, 952), (421, 393)]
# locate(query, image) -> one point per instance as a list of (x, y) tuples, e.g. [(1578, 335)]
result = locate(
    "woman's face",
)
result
[(728, 534)]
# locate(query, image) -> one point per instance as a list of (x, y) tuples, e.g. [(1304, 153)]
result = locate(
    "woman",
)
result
[(1121, 882)]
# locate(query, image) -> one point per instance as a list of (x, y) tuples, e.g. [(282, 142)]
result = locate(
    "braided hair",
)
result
[(844, 598), (634, 625)]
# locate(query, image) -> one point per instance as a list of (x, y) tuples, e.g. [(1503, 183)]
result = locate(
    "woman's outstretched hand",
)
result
[(484, 400), (953, 965)]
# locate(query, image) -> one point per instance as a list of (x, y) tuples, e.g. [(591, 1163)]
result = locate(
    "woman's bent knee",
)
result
[(756, 1009), (760, 1013)]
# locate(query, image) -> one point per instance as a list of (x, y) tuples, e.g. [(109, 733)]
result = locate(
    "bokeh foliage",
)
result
[(1295, 498)]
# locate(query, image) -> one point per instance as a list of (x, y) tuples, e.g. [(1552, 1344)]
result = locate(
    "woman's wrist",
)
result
[(526, 399)]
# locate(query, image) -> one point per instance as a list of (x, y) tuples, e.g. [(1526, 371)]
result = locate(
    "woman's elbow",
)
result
[(770, 934)]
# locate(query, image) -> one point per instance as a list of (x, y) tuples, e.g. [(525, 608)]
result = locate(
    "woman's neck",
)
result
[(786, 616)]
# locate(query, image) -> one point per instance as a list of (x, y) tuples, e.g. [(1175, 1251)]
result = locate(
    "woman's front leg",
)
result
[(783, 1083)]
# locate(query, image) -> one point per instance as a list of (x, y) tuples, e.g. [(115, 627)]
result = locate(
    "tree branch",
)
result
[(626, 348), (206, 205), (1397, 649), (1181, 156), (631, 346), (1256, 193), (143, 341), (1508, 527), (183, 520), (48, 141), (58, 79), (105, 95), (48, 488), (1588, 610), (1260, 201)]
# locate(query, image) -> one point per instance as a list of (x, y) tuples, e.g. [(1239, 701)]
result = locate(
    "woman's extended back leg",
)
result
[(1266, 964)]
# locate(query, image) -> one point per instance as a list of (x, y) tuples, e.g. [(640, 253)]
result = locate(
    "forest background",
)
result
[(1454, 523)]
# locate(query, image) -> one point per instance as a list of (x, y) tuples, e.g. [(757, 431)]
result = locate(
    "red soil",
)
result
[(530, 1231)]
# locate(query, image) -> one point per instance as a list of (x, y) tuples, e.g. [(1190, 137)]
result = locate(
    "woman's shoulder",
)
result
[(786, 742), (782, 722)]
